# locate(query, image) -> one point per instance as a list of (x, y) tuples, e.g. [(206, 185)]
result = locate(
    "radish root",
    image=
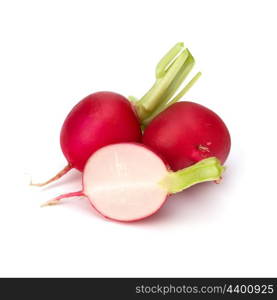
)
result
[(56, 177), (57, 199)]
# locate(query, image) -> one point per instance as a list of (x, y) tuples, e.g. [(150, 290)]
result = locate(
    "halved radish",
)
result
[(129, 182)]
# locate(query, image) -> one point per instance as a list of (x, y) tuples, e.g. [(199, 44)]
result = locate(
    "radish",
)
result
[(98, 120), (105, 118), (129, 182), (186, 133)]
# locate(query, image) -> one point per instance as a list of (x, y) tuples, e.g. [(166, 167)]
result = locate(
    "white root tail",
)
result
[(58, 199), (56, 177)]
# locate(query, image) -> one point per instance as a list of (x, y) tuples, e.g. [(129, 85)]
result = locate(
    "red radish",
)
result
[(98, 120), (186, 133), (129, 182), (105, 118)]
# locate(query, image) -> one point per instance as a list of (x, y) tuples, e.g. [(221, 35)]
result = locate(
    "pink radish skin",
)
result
[(129, 182), (186, 133), (98, 120)]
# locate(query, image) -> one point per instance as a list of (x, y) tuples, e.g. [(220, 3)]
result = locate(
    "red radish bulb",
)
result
[(98, 120), (105, 118), (129, 182), (186, 133)]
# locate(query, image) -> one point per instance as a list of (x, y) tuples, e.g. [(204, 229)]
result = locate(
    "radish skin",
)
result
[(129, 182), (98, 120), (186, 133)]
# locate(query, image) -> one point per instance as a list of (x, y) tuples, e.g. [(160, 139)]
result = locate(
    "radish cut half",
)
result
[(129, 182), (121, 181)]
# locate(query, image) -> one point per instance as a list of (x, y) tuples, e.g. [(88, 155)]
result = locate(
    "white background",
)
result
[(54, 53)]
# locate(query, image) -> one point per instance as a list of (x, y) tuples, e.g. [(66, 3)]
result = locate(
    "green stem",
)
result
[(132, 99), (167, 60), (208, 169), (184, 90), (170, 73), (177, 81), (164, 106)]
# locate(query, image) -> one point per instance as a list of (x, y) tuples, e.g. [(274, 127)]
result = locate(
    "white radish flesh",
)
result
[(121, 181)]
